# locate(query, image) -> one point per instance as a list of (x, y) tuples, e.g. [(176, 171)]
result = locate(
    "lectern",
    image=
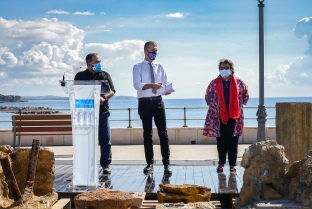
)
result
[(84, 97)]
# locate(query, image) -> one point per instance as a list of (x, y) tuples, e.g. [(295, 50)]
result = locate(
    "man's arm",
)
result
[(112, 92), (137, 80)]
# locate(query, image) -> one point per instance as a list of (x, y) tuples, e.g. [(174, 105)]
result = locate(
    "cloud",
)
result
[(112, 53), (83, 13), (303, 29), (3, 75), (99, 29), (299, 71), (58, 11), (177, 15), (103, 13), (47, 46)]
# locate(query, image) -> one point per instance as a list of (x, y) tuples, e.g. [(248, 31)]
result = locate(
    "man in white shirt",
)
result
[(149, 78)]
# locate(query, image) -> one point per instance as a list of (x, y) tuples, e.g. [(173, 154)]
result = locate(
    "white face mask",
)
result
[(225, 73)]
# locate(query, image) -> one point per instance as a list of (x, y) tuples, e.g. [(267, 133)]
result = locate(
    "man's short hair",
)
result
[(89, 57), (227, 61), (146, 45)]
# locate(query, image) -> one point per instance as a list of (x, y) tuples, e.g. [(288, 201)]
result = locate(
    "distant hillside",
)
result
[(11, 98), (50, 97)]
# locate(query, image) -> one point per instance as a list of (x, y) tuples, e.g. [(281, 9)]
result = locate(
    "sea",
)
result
[(179, 112)]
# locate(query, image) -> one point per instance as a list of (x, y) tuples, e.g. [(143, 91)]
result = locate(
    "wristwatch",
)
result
[(104, 97)]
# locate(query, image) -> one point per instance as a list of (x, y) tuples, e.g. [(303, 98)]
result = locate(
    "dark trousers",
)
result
[(227, 144), (105, 139), (147, 110)]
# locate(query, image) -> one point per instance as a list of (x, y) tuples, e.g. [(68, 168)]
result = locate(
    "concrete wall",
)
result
[(132, 136)]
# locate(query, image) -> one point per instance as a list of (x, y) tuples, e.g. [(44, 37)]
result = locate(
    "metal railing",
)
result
[(185, 114)]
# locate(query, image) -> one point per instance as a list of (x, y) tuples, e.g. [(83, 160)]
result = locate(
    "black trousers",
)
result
[(227, 144), (149, 109)]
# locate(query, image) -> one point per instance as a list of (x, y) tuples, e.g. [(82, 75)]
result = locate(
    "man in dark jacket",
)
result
[(94, 72)]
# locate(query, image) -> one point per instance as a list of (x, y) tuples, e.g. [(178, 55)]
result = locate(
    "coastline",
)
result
[(28, 110)]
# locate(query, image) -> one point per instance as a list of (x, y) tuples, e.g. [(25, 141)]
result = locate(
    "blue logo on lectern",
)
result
[(84, 103)]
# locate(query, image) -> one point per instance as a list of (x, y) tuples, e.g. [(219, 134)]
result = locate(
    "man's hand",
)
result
[(102, 100), (157, 86)]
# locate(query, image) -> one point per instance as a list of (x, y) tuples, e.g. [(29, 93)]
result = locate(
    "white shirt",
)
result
[(141, 76)]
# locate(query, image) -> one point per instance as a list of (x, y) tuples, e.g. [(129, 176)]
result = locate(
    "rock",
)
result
[(186, 193), (138, 198), (103, 199), (6, 149), (306, 172), (196, 205), (307, 197), (44, 177), (44, 195), (266, 178), (268, 193), (265, 164)]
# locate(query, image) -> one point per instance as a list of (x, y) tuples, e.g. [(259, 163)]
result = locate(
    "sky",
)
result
[(42, 40)]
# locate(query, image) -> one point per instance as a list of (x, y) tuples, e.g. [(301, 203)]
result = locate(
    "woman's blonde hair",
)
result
[(227, 61)]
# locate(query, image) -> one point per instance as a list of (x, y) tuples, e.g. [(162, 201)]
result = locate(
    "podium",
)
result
[(84, 97)]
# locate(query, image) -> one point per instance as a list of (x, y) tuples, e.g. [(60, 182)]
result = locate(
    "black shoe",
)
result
[(148, 168), (106, 170), (167, 169)]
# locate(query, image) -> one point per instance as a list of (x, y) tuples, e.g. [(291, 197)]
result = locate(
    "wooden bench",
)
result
[(41, 124)]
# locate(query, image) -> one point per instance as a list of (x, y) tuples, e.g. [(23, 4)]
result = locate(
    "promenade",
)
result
[(191, 164), (195, 154)]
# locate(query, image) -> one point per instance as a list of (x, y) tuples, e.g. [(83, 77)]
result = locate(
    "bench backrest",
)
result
[(41, 123)]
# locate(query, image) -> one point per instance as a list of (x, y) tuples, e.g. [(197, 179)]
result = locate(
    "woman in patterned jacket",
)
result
[(225, 97)]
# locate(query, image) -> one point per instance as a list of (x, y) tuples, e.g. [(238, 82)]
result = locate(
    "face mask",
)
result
[(97, 67), (225, 73), (152, 55)]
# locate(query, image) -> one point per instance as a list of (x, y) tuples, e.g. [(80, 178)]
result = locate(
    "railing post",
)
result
[(184, 109), (129, 110)]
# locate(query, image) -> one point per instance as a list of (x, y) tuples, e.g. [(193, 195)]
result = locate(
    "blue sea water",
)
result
[(195, 111)]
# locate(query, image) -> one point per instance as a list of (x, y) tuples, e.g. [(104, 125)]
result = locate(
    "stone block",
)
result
[(293, 128), (196, 205), (138, 198), (185, 193), (103, 197)]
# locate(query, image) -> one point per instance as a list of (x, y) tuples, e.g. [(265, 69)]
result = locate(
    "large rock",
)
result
[(265, 163), (185, 193), (44, 176), (268, 182), (103, 199), (43, 192)]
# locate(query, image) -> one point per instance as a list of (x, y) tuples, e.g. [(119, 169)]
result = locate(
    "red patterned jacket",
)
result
[(212, 123)]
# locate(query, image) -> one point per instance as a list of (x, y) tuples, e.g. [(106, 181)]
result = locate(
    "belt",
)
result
[(149, 98)]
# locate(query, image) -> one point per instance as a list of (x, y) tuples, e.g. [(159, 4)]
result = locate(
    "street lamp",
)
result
[(261, 113)]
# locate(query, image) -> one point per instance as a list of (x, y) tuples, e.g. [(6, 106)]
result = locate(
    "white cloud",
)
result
[(58, 11), (112, 53), (99, 29), (45, 46), (83, 13), (3, 75), (303, 29), (175, 15), (7, 58), (103, 13)]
